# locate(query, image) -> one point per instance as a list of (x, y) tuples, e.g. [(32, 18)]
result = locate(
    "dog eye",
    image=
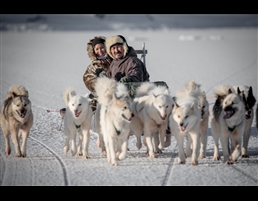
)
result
[(25, 105), (186, 116), (178, 116), (18, 105), (203, 107), (80, 104), (125, 107)]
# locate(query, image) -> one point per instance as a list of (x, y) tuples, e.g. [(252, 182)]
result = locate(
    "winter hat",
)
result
[(97, 41), (114, 40)]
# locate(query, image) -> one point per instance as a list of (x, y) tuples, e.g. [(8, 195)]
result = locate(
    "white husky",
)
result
[(115, 117), (228, 122), (249, 101), (203, 106), (185, 122), (77, 119), (151, 107)]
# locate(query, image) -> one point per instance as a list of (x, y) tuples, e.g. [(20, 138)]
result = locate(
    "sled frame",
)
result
[(143, 52)]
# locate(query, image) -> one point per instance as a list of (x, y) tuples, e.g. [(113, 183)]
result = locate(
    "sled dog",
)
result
[(185, 122), (228, 122), (77, 120), (203, 106), (151, 107), (16, 118), (249, 101), (115, 117)]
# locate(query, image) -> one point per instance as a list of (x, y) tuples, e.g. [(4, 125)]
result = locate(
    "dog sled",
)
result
[(142, 54)]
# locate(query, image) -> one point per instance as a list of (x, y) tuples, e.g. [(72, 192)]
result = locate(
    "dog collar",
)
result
[(78, 127), (118, 132), (231, 129)]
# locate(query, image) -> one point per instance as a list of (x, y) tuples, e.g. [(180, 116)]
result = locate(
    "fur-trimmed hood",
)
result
[(115, 40), (89, 48)]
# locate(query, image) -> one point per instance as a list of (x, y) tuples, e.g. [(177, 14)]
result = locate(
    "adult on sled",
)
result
[(100, 62), (125, 67)]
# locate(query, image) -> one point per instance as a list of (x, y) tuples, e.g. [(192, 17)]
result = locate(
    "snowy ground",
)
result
[(47, 56)]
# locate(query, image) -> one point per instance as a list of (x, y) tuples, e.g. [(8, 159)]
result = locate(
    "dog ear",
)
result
[(14, 95), (250, 98), (230, 91), (238, 91), (166, 92), (192, 106)]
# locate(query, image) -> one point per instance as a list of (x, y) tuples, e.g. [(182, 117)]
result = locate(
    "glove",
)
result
[(98, 71), (125, 79)]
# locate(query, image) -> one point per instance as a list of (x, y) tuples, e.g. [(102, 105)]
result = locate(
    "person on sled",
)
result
[(125, 67), (100, 62)]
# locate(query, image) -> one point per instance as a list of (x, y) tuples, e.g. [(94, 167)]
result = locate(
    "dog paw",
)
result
[(86, 157), (8, 152), (79, 154), (216, 158), (194, 163), (181, 162), (159, 151), (229, 163), (139, 145), (18, 155), (245, 156)]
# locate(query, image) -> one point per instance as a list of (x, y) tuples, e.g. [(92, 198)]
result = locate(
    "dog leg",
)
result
[(7, 142), (14, 135), (86, 141), (224, 142), (74, 147), (112, 151), (237, 139), (188, 151), (79, 147), (204, 137), (196, 147), (162, 134), (25, 135), (245, 142), (181, 153), (156, 136), (123, 149), (148, 138), (215, 135), (168, 140)]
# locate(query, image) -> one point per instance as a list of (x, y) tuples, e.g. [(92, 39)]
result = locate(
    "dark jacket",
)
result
[(130, 66)]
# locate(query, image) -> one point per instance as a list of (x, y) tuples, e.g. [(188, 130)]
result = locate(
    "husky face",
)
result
[(77, 104), (21, 106), (122, 107), (233, 109), (163, 104), (185, 116)]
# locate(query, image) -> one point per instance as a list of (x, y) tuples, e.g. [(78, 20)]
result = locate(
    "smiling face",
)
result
[(100, 50), (117, 51), (77, 105)]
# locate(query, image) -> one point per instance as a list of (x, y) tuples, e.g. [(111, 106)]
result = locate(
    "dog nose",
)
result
[(132, 114), (181, 124)]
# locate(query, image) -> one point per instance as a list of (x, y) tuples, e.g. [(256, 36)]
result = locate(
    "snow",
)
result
[(47, 54)]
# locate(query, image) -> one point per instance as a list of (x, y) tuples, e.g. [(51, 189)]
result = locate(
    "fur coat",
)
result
[(89, 77)]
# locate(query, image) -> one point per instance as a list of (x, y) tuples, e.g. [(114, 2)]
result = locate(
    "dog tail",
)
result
[(144, 89), (194, 88), (18, 90), (67, 95), (222, 90), (105, 88)]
